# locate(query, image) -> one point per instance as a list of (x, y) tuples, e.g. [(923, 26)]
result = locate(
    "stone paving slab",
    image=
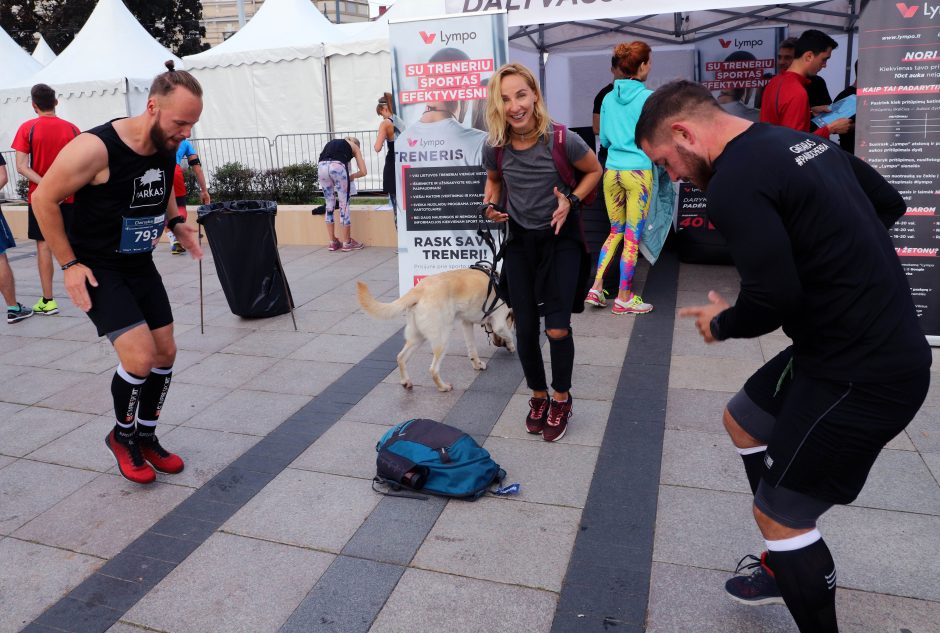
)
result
[(28, 488), (225, 370), (92, 395), (30, 428), (33, 576), (269, 580), (101, 518), (711, 374), (473, 606), (503, 541), (313, 510), (83, 447), (557, 474), (247, 411), (348, 448)]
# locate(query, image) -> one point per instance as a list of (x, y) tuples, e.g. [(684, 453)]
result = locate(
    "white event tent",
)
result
[(103, 74), (43, 53), (269, 77), (16, 63)]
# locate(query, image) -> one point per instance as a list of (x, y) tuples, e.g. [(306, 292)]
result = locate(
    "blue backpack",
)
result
[(434, 457)]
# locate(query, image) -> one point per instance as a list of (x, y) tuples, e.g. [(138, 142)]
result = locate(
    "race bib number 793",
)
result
[(140, 235)]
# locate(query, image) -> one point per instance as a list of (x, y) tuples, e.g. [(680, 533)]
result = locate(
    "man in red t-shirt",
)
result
[(785, 100), (37, 143)]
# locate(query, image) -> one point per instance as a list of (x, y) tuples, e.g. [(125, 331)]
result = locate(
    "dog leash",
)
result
[(489, 268)]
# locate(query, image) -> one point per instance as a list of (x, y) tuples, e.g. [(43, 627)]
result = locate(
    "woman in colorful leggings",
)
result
[(628, 181), (336, 181)]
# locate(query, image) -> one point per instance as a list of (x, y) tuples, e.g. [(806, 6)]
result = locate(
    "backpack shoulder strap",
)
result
[(560, 155)]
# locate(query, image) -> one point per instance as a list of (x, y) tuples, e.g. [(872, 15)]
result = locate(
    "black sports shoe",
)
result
[(757, 588), (15, 316)]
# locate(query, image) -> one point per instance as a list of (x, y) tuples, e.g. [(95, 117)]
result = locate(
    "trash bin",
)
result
[(244, 247)]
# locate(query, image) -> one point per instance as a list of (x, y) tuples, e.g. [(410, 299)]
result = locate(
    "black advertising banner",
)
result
[(898, 133), (698, 240)]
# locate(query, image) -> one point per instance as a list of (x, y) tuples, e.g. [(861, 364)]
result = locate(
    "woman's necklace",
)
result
[(522, 135)]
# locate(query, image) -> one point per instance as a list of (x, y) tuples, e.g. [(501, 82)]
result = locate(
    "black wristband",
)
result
[(174, 221), (68, 265), (713, 327)]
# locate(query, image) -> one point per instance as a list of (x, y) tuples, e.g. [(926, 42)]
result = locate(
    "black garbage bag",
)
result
[(244, 246)]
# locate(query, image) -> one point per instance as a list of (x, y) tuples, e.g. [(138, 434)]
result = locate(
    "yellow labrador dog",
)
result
[(431, 308)]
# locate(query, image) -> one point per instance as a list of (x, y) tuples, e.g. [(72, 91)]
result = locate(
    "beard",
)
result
[(165, 147), (700, 172)]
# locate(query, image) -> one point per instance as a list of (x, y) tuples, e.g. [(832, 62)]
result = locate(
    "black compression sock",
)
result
[(153, 393), (753, 465), (807, 581), (125, 389)]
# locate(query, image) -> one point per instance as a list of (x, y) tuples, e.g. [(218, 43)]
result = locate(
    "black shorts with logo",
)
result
[(823, 436), (125, 299), (32, 226)]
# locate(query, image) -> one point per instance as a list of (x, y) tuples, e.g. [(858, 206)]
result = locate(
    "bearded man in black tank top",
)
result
[(122, 176)]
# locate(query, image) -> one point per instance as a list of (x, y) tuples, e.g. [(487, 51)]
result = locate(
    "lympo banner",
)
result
[(440, 70), (898, 133), (736, 66)]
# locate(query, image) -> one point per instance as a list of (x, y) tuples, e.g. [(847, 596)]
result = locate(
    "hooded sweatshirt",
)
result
[(620, 112)]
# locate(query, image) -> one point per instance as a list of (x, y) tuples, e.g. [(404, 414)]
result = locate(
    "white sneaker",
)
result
[(385, 207), (635, 305)]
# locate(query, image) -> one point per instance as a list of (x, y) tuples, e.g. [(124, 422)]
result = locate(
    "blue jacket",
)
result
[(659, 218), (620, 112)]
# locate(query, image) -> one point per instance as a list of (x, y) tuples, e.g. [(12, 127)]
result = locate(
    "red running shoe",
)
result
[(130, 462), (557, 422), (159, 457), (535, 421)]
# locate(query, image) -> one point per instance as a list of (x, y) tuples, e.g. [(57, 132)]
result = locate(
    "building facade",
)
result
[(220, 17)]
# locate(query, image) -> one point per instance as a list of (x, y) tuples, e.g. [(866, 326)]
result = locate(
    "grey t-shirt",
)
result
[(530, 177)]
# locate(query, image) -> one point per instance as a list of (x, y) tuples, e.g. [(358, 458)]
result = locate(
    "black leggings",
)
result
[(563, 276)]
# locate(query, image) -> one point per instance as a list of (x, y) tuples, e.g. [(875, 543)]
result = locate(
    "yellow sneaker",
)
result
[(46, 307)]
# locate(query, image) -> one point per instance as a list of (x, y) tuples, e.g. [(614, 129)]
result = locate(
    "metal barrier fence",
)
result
[(259, 154)]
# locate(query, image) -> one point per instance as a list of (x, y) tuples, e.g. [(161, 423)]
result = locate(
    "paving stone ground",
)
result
[(631, 523)]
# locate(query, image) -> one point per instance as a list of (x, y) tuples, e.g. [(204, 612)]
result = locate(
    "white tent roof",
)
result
[(16, 63), (281, 30), (43, 53), (111, 46)]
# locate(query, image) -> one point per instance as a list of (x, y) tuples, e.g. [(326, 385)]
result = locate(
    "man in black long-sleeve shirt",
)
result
[(806, 224)]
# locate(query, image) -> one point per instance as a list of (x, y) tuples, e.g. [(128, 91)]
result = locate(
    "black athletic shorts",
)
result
[(124, 300), (823, 436), (32, 226)]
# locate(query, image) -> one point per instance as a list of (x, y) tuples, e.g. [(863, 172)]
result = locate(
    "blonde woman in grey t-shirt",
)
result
[(545, 259)]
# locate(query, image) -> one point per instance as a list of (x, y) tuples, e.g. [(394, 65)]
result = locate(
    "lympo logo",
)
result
[(460, 37), (906, 11), (724, 43), (412, 142), (427, 37), (148, 189)]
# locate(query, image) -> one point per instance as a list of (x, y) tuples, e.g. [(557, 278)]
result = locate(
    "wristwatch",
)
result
[(574, 200), (174, 221), (714, 328)]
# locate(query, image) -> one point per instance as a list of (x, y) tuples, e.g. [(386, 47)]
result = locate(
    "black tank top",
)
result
[(339, 150), (121, 220)]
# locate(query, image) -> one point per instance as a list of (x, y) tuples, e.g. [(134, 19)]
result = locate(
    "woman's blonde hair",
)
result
[(496, 123)]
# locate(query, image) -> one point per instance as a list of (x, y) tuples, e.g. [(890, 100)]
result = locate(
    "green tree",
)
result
[(21, 20), (173, 23)]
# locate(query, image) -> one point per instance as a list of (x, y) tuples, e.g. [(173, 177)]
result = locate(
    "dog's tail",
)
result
[(378, 310)]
